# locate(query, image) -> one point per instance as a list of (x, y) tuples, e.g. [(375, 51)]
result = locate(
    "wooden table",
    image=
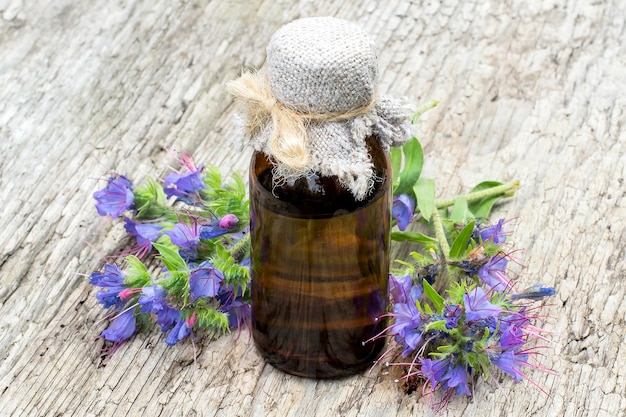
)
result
[(530, 91)]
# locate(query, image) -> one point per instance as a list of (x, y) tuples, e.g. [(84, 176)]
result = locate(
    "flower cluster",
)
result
[(195, 227), (481, 323), (455, 313)]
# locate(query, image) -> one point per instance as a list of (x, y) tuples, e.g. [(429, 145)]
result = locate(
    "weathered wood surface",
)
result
[(532, 91)]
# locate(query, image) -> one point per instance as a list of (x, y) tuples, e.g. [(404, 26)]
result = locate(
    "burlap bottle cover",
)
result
[(316, 103)]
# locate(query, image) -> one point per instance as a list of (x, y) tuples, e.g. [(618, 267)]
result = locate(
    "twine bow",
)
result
[(288, 141)]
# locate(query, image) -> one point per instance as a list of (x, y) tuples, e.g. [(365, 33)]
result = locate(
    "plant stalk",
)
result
[(506, 190)]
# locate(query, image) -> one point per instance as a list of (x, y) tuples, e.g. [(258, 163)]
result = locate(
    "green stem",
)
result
[(440, 235), (507, 190), (241, 246), (423, 109)]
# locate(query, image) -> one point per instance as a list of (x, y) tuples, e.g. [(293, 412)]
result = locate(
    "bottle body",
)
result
[(320, 265)]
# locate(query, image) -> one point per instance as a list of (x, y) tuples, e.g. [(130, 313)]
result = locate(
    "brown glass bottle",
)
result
[(320, 263)]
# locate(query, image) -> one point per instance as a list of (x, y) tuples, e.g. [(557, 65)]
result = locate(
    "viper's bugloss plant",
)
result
[(196, 247), (455, 312)]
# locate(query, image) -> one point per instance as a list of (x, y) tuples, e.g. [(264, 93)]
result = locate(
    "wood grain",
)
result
[(530, 91)]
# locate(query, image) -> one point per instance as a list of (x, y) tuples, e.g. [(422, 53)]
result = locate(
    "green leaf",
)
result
[(137, 275), (234, 273), (413, 162), (437, 325), (485, 206), (168, 254), (421, 258), (425, 196), (460, 243), (212, 321), (225, 198), (427, 309), (456, 292), (438, 301), (485, 185), (408, 268), (482, 207), (150, 200), (396, 162), (413, 237), (460, 211)]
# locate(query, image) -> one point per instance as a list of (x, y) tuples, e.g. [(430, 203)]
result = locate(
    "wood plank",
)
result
[(529, 92)]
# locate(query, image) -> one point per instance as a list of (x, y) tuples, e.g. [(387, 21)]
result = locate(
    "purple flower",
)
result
[(145, 234), (212, 230), (239, 312), (511, 336), (456, 378), (493, 233), (511, 362), (180, 331), (452, 313), (443, 372), (205, 280), (185, 186), (433, 370), (476, 328), (478, 307), (115, 198), (402, 289), (402, 210), (186, 237), (122, 328), (112, 283), (406, 326), (153, 302), (238, 309), (493, 273), (406, 317)]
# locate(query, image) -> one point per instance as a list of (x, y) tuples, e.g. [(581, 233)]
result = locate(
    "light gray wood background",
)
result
[(530, 91)]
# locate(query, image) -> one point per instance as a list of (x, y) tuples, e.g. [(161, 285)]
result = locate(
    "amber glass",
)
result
[(320, 264)]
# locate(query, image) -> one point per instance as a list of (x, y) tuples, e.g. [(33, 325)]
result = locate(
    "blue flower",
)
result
[(205, 280), (444, 373), (185, 186), (511, 362), (536, 292), (402, 289), (493, 233), (122, 328), (493, 273), (180, 331), (402, 210), (239, 312), (212, 230), (511, 336), (452, 313), (238, 309), (115, 198), (407, 326), (145, 234), (456, 378), (433, 370), (112, 283), (478, 307), (153, 301), (186, 237)]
